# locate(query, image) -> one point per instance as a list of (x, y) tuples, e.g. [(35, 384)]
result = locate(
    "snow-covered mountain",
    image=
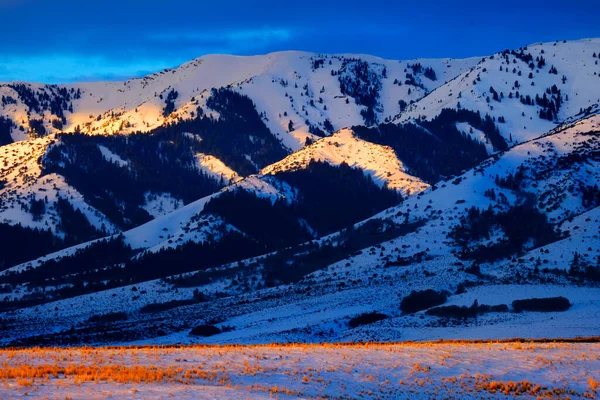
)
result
[(527, 91), (296, 97), (306, 88), (279, 196)]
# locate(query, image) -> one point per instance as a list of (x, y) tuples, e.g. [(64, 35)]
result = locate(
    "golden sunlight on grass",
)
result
[(421, 370)]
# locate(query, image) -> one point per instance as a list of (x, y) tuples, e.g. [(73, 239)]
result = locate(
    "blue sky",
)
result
[(75, 40)]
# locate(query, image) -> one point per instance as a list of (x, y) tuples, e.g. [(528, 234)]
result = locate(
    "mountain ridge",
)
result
[(308, 196)]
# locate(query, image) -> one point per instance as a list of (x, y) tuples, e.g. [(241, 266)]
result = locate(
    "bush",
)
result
[(366, 318), (422, 300), (109, 317), (546, 304), (464, 311), (169, 305), (205, 330)]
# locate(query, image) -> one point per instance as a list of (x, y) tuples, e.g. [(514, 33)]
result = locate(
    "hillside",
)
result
[(305, 197), (527, 91), (414, 246), (284, 86)]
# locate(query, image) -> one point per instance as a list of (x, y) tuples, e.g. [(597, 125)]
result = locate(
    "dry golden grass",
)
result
[(315, 370)]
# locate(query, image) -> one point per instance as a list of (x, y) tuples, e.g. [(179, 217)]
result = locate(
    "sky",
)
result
[(63, 41)]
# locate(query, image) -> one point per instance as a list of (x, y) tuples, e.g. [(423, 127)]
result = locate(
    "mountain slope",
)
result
[(380, 162), (413, 246), (278, 201), (287, 85), (506, 85)]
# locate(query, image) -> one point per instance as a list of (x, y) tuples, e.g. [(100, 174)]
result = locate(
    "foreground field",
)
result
[(405, 370)]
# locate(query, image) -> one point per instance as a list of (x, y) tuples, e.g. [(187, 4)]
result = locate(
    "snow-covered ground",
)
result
[(409, 370)]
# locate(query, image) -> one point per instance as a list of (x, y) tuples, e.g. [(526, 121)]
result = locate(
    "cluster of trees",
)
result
[(293, 263), (419, 300), (444, 152), (334, 197), (54, 98), (37, 126), (583, 270), (28, 96), (190, 256), (366, 318), (6, 100), (327, 199), (520, 224), (271, 222), (512, 181), (205, 330), (6, 126), (158, 163), (443, 125), (20, 244), (170, 103), (545, 304), (411, 80), (430, 73), (521, 55), (239, 132), (110, 263), (590, 196), (550, 102), (315, 130), (317, 63), (495, 95), (57, 123), (37, 208), (464, 312), (417, 68), (95, 258), (74, 223), (359, 81)]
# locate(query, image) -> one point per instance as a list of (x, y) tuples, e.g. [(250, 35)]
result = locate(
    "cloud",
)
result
[(265, 35), (199, 42), (149, 52), (74, 68)]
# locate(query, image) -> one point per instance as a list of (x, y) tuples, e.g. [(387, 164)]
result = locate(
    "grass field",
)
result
[(398, 370)]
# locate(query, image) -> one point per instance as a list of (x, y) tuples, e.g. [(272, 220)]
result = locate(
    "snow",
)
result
[(378, 162), (572, 59), (159, 204), (112, 157), (215, 168), (135, 105), (21, 170)]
